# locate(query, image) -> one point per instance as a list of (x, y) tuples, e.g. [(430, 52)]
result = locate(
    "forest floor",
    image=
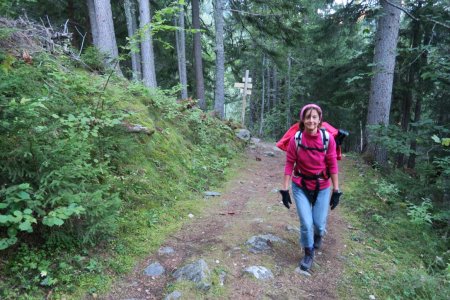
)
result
[(249, 205)]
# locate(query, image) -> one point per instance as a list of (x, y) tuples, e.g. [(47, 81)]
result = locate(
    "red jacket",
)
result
[(310, 162)]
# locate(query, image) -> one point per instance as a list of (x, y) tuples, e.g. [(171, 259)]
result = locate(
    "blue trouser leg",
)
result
[(313, 219)]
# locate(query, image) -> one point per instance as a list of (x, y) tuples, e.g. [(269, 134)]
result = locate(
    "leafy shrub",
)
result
[(93, 58), (71, 177), (420, 214), (53, 169)]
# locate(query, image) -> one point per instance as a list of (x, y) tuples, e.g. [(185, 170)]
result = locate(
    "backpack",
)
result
[(325, 141), (338, 134)]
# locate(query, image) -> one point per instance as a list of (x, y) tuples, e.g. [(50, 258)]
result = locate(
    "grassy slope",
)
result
[(157, 176), (389, 256)]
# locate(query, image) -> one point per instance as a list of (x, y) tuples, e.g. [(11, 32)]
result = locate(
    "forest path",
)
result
[(249, 205)]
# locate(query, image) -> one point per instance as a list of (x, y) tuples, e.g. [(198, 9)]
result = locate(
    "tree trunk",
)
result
[(148, 57), (382, 82), (198, 62), (263, 75), (219, 96), (130, 14), (71, 15), (408, 96), (181, 52), (275, 86), (252, 103), (93, 22), (107, 38), (417, 115), (288, 96), (269, 94)]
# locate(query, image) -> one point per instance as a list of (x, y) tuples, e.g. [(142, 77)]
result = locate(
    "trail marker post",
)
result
[(245, 88)]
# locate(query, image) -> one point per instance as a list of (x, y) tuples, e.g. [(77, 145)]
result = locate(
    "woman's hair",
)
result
[(306, 111)]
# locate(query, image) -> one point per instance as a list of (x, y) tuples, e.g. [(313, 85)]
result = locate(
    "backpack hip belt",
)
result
[(311, 194)]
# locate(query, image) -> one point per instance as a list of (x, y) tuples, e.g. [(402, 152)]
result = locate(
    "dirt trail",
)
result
[(249, 206)]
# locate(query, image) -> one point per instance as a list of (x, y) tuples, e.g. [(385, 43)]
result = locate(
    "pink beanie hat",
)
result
[(308, 106)]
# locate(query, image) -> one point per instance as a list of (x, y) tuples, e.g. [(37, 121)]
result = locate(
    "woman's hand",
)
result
[(335, 199), (286, 198)]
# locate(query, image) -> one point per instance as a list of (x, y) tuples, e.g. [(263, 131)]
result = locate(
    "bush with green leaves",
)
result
[(54, 171), (432, 169), (72, 177)]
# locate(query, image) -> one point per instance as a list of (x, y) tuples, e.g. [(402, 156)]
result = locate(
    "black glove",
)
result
[(335, 199), (286, 197)]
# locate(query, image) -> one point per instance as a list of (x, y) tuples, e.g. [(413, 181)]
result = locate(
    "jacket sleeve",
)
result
[(291, 157), (331, 157)]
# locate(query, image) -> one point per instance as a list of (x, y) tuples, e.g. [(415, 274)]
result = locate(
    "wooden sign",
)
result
[(245, 89)]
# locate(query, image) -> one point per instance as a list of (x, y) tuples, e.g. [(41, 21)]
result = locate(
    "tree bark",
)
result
[(408, 95), (263, 75), (269, 94), (219, 96), (382, 82), (148, 57), (288, 96), (93, 22), (106, 35), (181, 52), (130, 14), (198, 62), (275, 86)]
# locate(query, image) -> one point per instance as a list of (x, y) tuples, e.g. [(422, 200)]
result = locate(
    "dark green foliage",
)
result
[(429, 179), (72, 177), (395, 253), (93, 58), (52, 151)]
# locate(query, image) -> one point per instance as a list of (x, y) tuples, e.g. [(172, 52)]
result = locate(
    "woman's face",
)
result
[(311, 120)]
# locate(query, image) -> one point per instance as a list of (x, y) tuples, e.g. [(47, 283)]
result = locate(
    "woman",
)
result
[(311, 162)]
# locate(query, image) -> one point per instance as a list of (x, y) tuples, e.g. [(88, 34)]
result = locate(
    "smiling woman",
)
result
[(311, 161)]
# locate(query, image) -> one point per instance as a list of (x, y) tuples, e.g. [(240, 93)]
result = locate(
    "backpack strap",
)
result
[(325, 138), (325, 141), (298, 139)]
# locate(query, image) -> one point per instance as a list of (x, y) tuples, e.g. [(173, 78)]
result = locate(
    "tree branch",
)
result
[(413, 17), (253, 14)]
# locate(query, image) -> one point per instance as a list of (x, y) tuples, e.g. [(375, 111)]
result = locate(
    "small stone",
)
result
[(259, 272), (154, 269), (211, 194), (197, 272), (262, 243), (372, 297), (173, 296), (217, 261), (269, 153), (166, 251), (243, 134), (222, 277), (190, 216)]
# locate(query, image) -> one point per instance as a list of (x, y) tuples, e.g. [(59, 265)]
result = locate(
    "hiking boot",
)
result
[(307, 260), (317, 241)]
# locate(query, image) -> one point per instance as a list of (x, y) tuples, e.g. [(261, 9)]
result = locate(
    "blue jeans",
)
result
[(313, 219)]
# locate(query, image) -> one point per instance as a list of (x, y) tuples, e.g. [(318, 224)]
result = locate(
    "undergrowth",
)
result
[(81, 197), (393, 251)]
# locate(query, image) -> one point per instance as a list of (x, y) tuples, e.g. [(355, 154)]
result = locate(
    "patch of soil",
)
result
[(249, 205)]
